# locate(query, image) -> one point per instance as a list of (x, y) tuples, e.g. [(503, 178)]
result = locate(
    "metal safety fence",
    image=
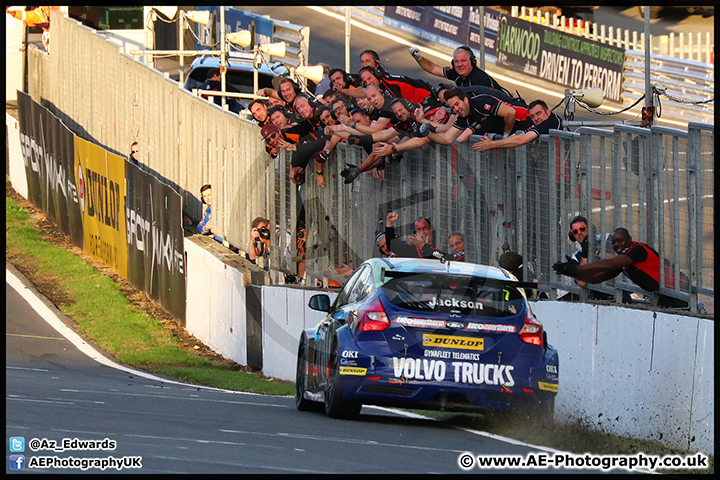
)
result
[(656, 182)]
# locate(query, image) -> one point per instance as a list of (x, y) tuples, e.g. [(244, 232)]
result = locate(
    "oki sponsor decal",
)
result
[(352, 371), (491, 327), (550, 387), (447, 341), (419, 322), (459, 372)]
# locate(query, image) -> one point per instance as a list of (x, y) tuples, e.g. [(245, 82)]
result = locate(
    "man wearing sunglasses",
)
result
[(578, 233), (637, 261)]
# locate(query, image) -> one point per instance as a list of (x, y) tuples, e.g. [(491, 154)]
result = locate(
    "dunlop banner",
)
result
[(154, 239), (100, 177), (48, 155), (561, 58)]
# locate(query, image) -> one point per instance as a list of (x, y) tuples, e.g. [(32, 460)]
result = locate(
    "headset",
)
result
[(348, 107), (473, 60), (346, 76), (376, 73), (296, 87), (409, 106), (579, 218), (376, 57), (278, 108), (362, 110)]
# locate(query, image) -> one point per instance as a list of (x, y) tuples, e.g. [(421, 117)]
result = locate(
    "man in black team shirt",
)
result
[(477, 113), (463, 70), (421, 244), (543, 121)]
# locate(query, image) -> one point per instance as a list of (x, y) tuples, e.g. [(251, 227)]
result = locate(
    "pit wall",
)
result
[(635, 373)]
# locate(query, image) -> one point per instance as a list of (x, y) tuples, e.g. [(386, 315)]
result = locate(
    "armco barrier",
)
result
[(656, 384)]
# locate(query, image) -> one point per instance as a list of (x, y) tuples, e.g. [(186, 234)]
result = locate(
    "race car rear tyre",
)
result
[(302, 403), (335, 405)]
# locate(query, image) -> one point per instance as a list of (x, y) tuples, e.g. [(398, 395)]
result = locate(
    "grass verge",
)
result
[(111, 314), (121, 321)]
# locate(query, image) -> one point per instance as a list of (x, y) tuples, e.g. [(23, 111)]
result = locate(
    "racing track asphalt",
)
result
[(58, 387)]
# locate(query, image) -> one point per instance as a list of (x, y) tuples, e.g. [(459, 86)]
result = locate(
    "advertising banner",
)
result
[(492, 23), (153, 222), (235, 20), (446, 25), (100, 177), (561, 58), (48, 156)]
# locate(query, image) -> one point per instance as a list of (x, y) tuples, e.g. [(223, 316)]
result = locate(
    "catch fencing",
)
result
[(656, 182)]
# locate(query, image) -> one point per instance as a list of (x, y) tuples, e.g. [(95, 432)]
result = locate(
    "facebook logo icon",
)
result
[(17, 444), (17, 462)]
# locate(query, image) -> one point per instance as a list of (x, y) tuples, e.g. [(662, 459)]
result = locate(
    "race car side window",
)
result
[(362, 287), (343, 298)]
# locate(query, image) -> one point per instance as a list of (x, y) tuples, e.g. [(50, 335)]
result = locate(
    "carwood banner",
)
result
[(154, 239), (561, 58), (100, 177), (48, 156)]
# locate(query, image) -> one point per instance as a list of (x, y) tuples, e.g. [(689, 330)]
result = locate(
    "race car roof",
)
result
[(415, 265)]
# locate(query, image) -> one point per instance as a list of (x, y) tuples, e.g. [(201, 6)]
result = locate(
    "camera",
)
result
[(264, 232), (301, 234)]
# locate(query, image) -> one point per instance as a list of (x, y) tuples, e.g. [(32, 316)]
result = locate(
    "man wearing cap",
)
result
[(382, 244)]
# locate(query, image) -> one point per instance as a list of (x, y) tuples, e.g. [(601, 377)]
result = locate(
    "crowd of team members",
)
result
[(390, 114)]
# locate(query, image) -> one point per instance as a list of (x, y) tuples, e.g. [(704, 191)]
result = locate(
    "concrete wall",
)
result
[(14, 33), (285, 316), (215, 309), (637, 373), (632, 372), (15, 166)]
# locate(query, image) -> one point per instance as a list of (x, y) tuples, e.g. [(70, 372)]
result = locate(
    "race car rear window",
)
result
[(472, 296)]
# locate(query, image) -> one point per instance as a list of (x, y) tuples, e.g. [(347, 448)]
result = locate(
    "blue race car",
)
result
[(426, 334)]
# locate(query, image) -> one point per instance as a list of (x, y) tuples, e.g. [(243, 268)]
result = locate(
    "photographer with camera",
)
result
[(259, 246)]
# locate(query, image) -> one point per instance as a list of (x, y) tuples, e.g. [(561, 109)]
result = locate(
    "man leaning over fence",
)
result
[(637, 261), (477, 113), (543, 121)]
